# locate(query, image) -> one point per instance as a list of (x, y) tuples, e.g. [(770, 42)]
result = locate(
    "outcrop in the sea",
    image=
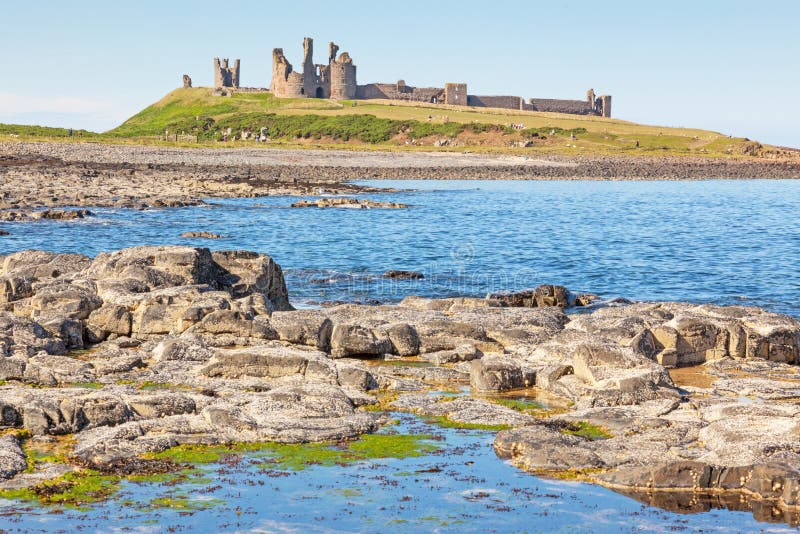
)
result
[(200, 235), (142, 349), (350, 203)]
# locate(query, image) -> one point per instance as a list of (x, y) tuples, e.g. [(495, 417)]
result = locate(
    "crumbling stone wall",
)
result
[(187, 81), (224, 74)]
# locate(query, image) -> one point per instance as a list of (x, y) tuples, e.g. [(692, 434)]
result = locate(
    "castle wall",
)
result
[(574, 107), (505, 102), (399, 91)]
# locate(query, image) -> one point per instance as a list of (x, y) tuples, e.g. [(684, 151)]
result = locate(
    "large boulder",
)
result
[(246, 273), (303, 327), (498, 373), (238, 273), (356, 340)]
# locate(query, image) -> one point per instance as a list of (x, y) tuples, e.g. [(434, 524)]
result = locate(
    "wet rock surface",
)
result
[(142, 349)]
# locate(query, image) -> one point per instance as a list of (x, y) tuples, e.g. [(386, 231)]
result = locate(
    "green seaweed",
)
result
[(586, 430), (526, 406), (446, 422), (296, 457), (73, 490)]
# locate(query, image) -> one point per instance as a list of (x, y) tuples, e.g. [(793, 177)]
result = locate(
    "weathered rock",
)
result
[(106, 320), (38, 264), (155, 406), (200, 235), (303, 327), (187, 348), (245, 273), (339, 202), (73, 300), (26, 337), (403, 338), (51, 370), (496, 373), (542, 296), (12, 458), (465, 410), (539, 448), (238, 273), (403, 275), (271, 362), (355, 340)]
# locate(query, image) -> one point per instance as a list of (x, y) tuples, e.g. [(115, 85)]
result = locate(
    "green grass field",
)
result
[(200, 119)]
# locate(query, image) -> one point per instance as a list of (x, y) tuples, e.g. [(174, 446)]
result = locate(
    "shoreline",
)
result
[(44, 176), (137, 176)]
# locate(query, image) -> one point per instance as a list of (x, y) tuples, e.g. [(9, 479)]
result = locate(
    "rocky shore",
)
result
[(85, 174), (143, 349)]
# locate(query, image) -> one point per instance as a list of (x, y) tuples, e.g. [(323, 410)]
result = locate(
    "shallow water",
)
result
[(462, 487), (725, 242), (721, 241)]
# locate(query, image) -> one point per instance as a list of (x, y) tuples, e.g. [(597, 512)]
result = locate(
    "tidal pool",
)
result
[(459, 487)]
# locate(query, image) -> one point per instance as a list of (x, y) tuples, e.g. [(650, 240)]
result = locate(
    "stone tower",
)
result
[(224, 74), (455, 94), (604, 105), (336, 79), (343, 75)]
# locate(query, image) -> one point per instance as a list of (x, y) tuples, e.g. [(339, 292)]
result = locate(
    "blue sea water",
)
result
[(719, 241), (724, 242)]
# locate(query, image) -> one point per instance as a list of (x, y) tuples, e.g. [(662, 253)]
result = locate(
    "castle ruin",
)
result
[(337, 80), (224, 74)]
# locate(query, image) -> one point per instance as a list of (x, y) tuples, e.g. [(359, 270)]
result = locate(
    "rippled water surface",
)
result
[(727, 242)]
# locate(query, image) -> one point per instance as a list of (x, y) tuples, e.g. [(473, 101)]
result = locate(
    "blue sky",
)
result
[(731, 66)]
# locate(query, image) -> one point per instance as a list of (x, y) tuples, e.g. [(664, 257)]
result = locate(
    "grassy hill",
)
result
[(202, 118)]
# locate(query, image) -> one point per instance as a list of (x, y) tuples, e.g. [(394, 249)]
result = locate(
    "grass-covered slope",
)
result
[(389, 124)]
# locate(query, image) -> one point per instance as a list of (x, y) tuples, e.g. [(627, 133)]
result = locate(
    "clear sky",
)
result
[(727, 65)]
